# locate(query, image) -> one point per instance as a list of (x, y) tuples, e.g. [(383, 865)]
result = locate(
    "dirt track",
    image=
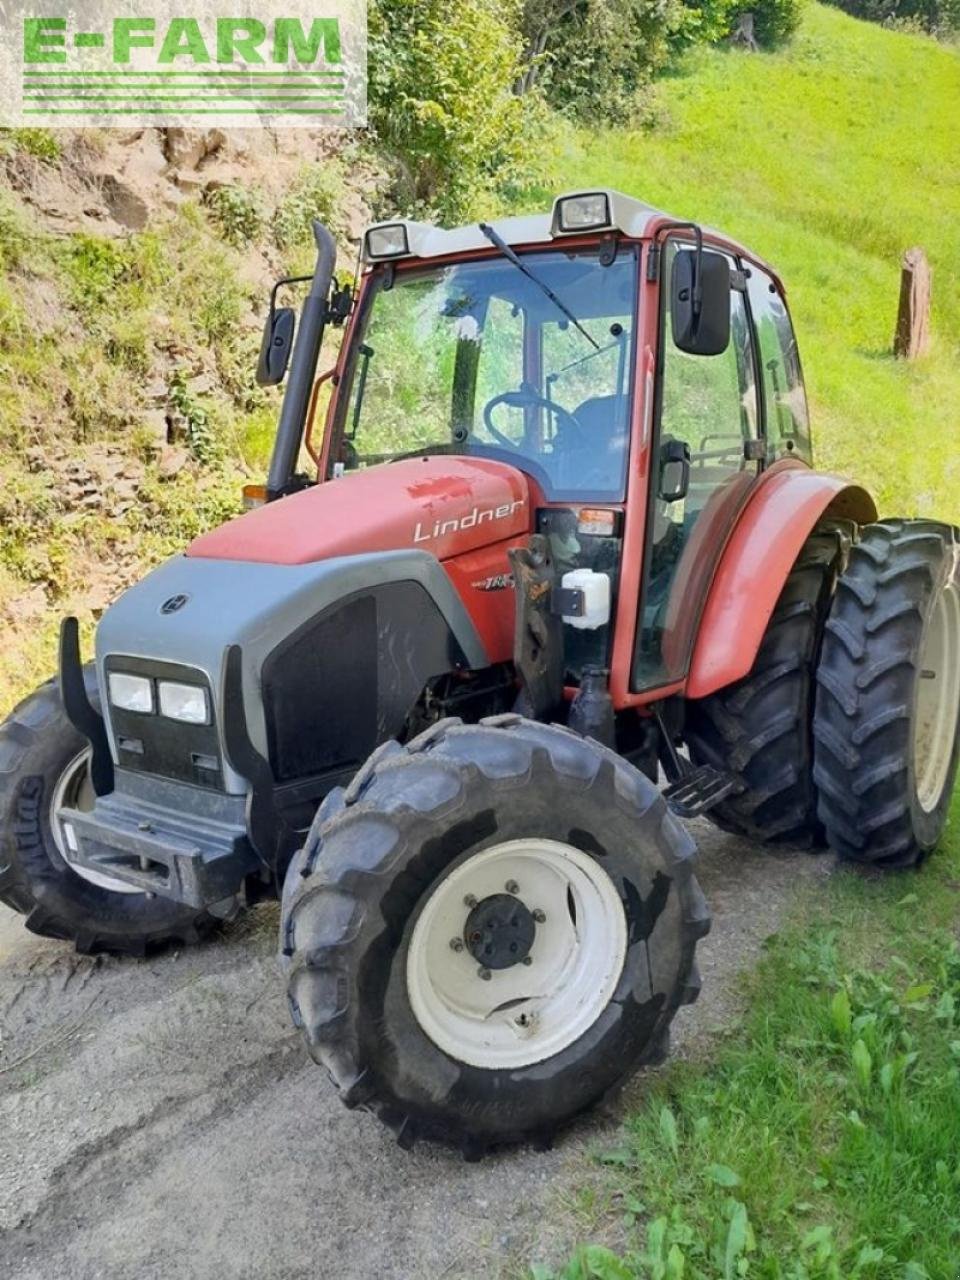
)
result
[(160, 1118)]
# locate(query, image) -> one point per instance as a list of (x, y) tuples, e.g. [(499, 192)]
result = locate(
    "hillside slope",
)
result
[(136, 266), (830, 158)]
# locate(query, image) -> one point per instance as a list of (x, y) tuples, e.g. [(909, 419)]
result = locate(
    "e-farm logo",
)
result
[(93, 64)]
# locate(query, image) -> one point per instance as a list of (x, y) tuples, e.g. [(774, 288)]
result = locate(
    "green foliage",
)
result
[(775, 21), (204, 443), (316, 193), (39, 143), (238, 213), (442, 103), (94, 267), (16, 238), (600, 57), (939, 18)]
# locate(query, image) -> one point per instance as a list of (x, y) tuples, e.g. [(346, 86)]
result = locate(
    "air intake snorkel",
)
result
[(296, 400)]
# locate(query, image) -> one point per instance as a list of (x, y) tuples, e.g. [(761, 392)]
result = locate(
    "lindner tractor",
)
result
[(556, 532)]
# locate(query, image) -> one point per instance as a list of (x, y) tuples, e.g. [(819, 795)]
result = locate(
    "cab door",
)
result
[(707, 415)]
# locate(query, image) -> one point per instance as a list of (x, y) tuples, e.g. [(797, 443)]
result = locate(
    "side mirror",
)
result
[(702, 330), (674, 470), (276, 346)]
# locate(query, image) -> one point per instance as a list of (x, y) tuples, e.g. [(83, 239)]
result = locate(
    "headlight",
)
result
[(130, 693), (388, 241), (186, 702), (584, 213)]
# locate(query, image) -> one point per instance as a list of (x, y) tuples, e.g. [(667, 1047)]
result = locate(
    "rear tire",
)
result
[(887, 721), (382, 967), (39, 748), (761, 728)]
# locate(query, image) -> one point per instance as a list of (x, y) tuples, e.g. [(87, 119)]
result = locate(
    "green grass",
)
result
[(822, 1140), (829, 159)]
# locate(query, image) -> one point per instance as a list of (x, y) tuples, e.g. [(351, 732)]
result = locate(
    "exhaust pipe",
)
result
[(303, 366)]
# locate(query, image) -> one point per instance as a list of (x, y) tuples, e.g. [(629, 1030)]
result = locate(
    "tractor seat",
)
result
[(593, 457)]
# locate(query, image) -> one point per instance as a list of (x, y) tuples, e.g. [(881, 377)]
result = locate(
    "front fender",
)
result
[(756, 562)]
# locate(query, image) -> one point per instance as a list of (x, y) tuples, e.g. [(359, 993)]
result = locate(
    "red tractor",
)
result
[(560, 532)]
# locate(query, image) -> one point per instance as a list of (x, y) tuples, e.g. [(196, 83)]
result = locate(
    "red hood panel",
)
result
[(444, 505)]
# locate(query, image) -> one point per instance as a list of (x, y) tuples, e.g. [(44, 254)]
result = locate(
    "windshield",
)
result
[(475, 359)]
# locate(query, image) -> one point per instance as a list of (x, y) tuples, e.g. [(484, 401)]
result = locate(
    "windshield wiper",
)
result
[(510, 256)]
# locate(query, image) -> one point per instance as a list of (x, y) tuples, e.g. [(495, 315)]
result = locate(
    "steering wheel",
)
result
[(527, 398)]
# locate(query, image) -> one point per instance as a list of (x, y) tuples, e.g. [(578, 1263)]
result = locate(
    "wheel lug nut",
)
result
[(539, 915), (456, 944), (483, 973), (512, 887), (470, 900), (528, 959)]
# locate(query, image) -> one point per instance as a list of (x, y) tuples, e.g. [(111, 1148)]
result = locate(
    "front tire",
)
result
[(42, 763), (887, 722), (489, 930)]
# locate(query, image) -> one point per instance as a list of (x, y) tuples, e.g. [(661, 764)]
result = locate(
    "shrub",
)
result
[(775, 21), (596, 58), (237, 212), (441, 101), (935, 17), (39, 143), (315, 194)]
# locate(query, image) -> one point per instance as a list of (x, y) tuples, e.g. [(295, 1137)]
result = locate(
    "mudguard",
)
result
[(756, 561)]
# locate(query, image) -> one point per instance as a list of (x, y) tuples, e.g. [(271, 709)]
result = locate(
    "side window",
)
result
[(785, 403), (710, 404)]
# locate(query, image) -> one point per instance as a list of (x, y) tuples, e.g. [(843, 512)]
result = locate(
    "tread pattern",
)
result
[(863, 724), (353, 868), (761, 728), (36, 743)]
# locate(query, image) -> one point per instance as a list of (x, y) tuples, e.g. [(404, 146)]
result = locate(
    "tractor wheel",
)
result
[(43, 763), (887, 722), (761, 728), (489, 930)]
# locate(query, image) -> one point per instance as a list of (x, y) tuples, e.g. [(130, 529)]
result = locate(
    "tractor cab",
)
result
[(640, 373)]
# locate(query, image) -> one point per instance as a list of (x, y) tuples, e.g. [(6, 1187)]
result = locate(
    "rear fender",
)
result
[(755, 564)]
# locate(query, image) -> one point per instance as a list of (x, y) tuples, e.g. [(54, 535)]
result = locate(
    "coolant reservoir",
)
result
[(596, 598)]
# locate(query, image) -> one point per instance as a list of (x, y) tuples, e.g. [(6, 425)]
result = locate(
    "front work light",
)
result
[(589, 212), (186, 702), (388, 241), (130, 693)]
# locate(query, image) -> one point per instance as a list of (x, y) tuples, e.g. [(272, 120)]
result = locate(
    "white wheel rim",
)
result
[(75, 791), (530, 1011), (937, 707)]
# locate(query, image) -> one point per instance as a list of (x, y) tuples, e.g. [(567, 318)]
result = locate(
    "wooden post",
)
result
[(912, 337)]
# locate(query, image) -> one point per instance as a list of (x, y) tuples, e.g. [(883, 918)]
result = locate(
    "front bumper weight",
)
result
[(192, 859)]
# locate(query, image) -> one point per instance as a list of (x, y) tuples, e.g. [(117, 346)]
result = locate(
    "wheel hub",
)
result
[(502, 1008), (499, 931)]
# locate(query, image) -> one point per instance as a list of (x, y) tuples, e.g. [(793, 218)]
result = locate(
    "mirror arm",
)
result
[(695, 227)]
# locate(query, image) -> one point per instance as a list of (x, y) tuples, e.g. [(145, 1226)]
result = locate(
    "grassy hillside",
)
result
[(830, 158)]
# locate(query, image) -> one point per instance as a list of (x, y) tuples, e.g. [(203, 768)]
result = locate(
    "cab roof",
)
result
[(629, 216)]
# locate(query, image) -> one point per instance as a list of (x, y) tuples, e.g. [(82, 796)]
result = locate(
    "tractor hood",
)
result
[(444, 505)]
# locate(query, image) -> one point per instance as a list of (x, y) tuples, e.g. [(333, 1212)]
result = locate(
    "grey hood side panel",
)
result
[(256, 606)]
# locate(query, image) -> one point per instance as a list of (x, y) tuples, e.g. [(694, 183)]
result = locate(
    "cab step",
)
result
[(698, 790)]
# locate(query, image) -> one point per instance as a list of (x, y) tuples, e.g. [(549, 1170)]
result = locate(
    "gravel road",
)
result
[(160, 1118)]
